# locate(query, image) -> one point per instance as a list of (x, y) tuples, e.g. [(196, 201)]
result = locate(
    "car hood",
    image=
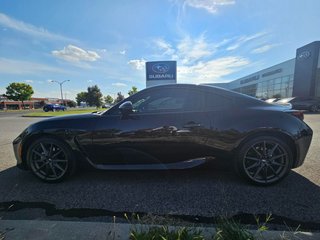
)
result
[(71, 117), (78, 121)]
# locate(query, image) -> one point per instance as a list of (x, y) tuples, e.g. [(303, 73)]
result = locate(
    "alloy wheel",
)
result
[(314, 108), (266, 162), (48, 161)]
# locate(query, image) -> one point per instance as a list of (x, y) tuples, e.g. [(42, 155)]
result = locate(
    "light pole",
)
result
[(60, 83)]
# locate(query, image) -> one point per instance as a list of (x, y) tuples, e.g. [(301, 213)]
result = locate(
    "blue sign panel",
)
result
[(164, 70)]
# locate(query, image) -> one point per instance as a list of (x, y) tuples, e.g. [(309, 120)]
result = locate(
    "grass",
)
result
[(164, 233), (60, 113), (232, 230), (226, 229)]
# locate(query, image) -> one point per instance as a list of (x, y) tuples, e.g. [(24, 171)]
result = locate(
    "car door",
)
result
[(223, 113), (163, 128)]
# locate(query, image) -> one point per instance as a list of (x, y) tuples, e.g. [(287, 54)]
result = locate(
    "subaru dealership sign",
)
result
[(161, 72)]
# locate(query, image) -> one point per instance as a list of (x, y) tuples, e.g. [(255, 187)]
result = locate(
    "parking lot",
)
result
[(192, 195)]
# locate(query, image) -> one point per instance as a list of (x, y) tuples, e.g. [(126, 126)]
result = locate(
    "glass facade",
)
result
[(280, 87)]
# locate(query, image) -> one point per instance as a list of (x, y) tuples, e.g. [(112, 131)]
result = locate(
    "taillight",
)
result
[(298, 114)]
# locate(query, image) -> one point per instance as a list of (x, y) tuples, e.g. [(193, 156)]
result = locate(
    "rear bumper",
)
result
[(302, 145)]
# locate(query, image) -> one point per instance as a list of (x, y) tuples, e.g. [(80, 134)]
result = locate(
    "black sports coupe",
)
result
[(176, 126)]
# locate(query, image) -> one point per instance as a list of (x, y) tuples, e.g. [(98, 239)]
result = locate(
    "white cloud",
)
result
[(29, 81), (72, 53), (243, 39), (211, 6), (211, 71), (29, 29), (2, 90), (264, 48), (11, 66), (164, 46), (190, 49), (137, 64), (118, 84), (123, 52), (89, 81)]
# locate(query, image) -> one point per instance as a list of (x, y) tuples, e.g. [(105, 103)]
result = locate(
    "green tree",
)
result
[(108, 99), (133, 90), (82, 97), (119, 98), (71, 104), (19, 92), (94, 96)]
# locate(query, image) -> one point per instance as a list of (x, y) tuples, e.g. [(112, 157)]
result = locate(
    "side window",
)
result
[(166, 100), (165, 103)]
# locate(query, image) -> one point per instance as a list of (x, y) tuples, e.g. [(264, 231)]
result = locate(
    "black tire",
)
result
[(264, 160), (46, 109), (50, 160)]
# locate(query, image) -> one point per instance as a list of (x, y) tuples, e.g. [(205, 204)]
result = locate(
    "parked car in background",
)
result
[(272, 100), (54, 107), (285, 102), (106, 106), (176, 126), (301, 103)]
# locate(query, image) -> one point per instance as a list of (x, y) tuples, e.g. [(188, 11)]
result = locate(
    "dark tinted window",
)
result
[(166, 100), (161, 100)]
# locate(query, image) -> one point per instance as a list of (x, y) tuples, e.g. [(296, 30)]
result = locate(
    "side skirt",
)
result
[(155, 166)]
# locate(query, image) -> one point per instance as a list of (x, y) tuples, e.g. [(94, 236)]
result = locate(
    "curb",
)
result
[(65, 230)]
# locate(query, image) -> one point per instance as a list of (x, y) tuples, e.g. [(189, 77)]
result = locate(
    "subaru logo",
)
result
[(304, 54), (160, 68)]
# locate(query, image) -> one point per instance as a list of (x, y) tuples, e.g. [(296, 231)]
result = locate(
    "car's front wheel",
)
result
[(50, 159), (264, 160), (314, 108)]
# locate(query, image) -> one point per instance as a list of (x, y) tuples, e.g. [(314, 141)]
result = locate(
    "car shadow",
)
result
[(201, 194)]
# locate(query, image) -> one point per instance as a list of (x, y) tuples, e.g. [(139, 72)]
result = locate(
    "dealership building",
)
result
[(299, 76)]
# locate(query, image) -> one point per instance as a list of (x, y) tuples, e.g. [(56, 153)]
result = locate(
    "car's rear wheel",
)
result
[(264, 160), (50, 159)]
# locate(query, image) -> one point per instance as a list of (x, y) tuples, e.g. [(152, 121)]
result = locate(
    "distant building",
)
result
[(33, 103), (299, 76)]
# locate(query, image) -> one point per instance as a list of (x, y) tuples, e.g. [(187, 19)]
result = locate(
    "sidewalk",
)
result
[(67, 230)]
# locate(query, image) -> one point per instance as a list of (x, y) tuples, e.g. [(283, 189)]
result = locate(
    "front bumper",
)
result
[(17, 149)]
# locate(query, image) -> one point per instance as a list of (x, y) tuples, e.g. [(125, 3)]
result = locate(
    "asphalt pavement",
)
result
[(196, 196)]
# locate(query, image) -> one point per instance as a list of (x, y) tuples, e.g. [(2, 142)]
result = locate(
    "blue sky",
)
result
[(107, 42)]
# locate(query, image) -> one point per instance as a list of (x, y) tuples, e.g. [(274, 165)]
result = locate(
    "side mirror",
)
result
[(126, 108)]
